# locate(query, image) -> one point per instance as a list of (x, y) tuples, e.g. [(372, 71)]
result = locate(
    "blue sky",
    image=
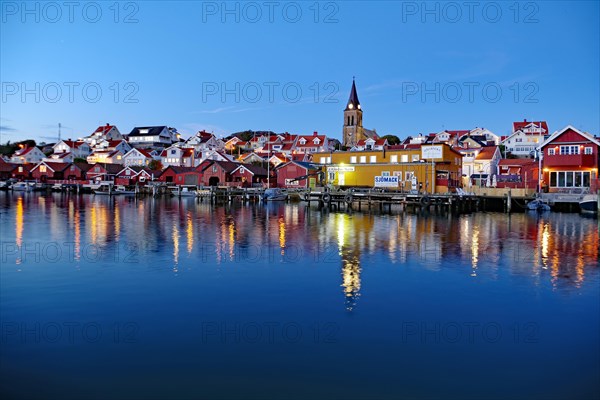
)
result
[(288, 66)]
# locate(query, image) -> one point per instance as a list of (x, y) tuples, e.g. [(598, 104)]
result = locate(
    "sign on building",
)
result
[(431, 152), (340, 169), (387, 181)]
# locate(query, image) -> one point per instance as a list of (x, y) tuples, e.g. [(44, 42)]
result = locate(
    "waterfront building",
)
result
[(27, 155), (526, 137), (181, 175), (47, 171), (430, 168), (137, 157), (78, 148), (370, 144), (353, 130), (287, 174), (103, 172), (518, 173), (133, 175), (570, 160), (480, 161)]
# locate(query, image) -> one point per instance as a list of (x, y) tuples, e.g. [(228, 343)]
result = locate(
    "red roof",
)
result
[(24, 151), (378, 142), (309, 140), (145, 153), (486, 153), (104, 128), (519, 125)]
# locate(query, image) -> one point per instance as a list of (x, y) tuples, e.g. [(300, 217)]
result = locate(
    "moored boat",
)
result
[(537, 205), (275, 194), (589, 204), (23, 187)]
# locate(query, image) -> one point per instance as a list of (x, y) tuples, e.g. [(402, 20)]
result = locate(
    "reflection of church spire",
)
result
[(351, 277)]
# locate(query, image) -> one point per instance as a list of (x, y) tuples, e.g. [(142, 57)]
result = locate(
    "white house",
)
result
[(79, 148), (103, 132), (527, 136), (490, 136), (137, 157), (370, 144), (150, 136), (106, 157), (312, 144), (216, 155), (204, 141), (27, 155), (120, 145), (482, 160), (61, 157), (180, 157)]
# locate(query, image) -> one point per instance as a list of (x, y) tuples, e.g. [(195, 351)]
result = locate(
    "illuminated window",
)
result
[(404, 158), (394, 159), (372, 159), (353, 160), (43, 168), (363, 159)]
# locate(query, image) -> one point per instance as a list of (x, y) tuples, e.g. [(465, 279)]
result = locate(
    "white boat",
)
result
[(275, 194), (118, 190), (23, 187), (537, 205), (185, 191), (589, 204)]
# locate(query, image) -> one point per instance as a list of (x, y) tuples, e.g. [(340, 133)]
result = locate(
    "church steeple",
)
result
[(353, 103), (353, 129)]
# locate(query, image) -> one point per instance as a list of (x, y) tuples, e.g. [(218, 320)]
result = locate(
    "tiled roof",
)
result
[(486, 153)]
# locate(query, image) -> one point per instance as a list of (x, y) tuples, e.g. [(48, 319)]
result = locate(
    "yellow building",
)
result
[(403, 167)]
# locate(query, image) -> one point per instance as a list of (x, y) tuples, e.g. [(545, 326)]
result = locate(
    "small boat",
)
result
[(185, 192), (57, 187), (589, 204), (275, 194), (23, 187), (537, 205), (118, 190), (4, 185), (122, 190)]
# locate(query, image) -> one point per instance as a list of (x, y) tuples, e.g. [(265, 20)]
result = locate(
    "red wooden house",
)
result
[(288, 172), (49, 171), (103, 172), (181, 175), (6, 170), (218, 173), (570, 161), (518, 173), (247, 175), (130, 176)]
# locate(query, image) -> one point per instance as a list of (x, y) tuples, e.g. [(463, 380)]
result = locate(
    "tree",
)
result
[(79, 160), (155, 165), (392, 139)]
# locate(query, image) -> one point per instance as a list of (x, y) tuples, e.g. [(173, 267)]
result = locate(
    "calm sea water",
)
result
[(165, 298)]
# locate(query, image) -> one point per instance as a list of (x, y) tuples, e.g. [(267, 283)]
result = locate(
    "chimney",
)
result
[(107, 124), (525, 120), (315, 133)]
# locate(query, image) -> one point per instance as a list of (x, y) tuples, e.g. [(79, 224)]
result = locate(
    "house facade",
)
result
[(288, 174), (526, 137), (27, 155), (570, 161), (150, 137), (79, 149), (138, 158)]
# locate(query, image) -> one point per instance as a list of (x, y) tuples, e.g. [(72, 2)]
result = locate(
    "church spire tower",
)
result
[(353, 128)]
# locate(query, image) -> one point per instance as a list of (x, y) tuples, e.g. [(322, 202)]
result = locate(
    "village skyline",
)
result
[(235, 72)]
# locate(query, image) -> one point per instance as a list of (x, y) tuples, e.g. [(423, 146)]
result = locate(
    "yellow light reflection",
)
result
[(282, 235), (190, 233), (19, 226), (475, 251), (175, 237)]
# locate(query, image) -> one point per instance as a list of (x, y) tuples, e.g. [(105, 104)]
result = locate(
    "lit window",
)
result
[(372, 159), (363, 159), (42, 168), (404, 158), (353, 160), (394, 159)]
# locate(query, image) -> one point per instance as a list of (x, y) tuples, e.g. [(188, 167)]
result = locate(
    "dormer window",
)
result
[(302, 141), (316, 141)]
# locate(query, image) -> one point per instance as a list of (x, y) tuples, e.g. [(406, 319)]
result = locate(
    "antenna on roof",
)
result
[(59, 126)]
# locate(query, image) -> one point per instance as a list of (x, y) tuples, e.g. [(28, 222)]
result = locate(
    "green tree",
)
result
[(392, 139), (155, 165)]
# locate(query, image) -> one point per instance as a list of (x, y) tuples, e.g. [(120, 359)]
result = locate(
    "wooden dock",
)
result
[(384, 200)]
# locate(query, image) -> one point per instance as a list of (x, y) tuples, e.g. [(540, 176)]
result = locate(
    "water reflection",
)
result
[(560, 250)]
